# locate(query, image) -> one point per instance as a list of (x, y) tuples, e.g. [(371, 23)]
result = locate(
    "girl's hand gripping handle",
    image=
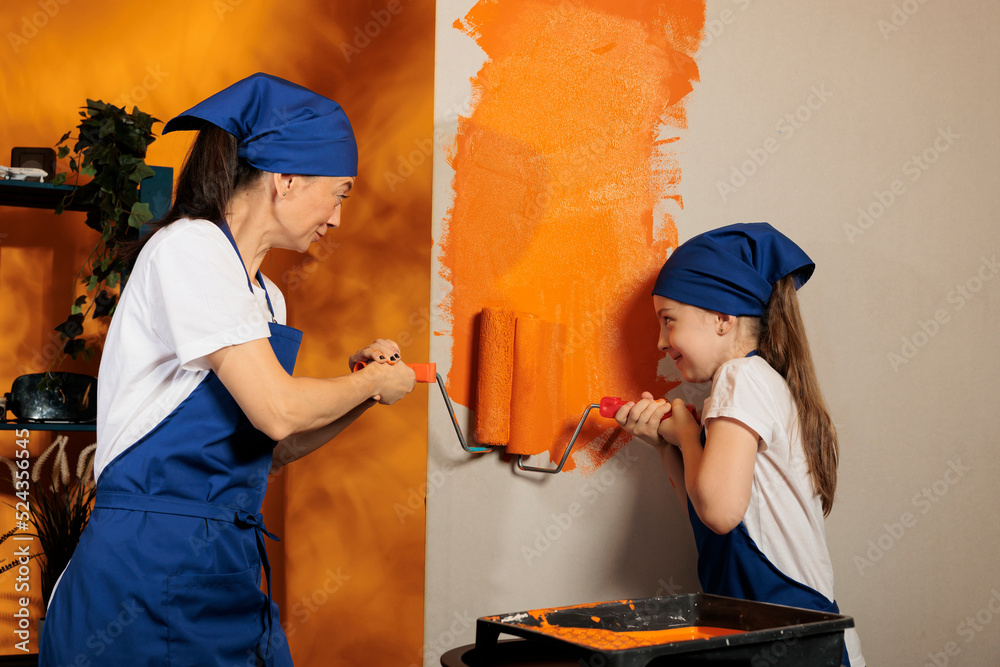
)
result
[(609, 407)]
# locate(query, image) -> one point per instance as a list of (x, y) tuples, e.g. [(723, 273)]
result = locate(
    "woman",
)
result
[(197, 403)]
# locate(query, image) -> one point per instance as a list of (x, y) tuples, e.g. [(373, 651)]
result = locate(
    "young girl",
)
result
[(760, 475)]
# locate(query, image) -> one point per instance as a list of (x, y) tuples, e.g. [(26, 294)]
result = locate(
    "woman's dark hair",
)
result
[(212, 174), (782, 343)]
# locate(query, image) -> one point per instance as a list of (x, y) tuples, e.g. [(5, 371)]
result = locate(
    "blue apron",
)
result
[(733, 565), (168, 570)]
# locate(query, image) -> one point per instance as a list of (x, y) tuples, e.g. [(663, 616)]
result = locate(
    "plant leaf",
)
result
[(74, 347), (139, 215), (142, 172), (104, 303), (72, 327)]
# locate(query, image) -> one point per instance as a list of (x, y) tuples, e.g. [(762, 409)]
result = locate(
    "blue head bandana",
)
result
[(732, 269), (281, 127)]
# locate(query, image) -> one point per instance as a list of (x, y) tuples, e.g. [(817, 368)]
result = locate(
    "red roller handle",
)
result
[(609, 407), (425, 372)]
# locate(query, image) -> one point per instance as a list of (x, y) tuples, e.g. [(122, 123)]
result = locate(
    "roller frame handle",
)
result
[(426, 373), (610, 405)]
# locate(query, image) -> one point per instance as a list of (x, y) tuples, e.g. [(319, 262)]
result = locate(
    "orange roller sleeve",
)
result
[(536, 407), (493, 384)]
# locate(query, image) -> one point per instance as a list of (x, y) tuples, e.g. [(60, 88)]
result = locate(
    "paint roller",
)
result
[(494, 378), (518, 389), (536, 407), (427, 373)]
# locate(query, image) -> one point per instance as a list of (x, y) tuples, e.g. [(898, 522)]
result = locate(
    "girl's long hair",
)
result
[(782, 343), (212, 174)]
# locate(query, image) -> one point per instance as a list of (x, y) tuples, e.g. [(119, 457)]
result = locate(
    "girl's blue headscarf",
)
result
[(281, 127), (732, 269)]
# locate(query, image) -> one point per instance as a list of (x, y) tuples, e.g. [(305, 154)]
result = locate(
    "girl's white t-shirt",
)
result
[(186, 297), (785, 515)]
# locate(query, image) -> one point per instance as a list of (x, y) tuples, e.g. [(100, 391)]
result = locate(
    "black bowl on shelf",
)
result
[(66, 398)]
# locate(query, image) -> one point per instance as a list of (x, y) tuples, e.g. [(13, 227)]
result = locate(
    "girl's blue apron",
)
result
[(168, 570), (733, 565)]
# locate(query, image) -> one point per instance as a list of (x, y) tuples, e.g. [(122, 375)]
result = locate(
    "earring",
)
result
[(283, 194)]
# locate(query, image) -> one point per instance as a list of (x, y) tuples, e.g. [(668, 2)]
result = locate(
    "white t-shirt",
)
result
[(186, 297), (785, 515)]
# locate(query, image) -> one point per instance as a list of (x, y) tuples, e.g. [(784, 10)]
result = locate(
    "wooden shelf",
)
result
[(46, 426), (156, 191), (35, 195)]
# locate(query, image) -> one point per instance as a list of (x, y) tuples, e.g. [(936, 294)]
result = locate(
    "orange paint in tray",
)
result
[(566, 181), (611, 640), (604, 639)]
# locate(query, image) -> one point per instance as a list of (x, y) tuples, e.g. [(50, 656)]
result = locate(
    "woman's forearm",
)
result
[(308, 405), (280, 405), (294, 447)]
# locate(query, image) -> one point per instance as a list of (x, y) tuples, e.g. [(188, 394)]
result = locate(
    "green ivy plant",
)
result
[(110, 147)]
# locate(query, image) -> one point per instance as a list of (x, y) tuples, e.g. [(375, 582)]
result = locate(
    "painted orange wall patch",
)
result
[(568, 151)]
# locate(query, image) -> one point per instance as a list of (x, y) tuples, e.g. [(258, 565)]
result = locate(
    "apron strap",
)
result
[(260, 278), (138, 502)]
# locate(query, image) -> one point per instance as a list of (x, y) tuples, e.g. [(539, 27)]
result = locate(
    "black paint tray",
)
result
[(772, 635)]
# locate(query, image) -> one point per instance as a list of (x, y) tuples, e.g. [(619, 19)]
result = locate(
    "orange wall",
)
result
[(349, 573)]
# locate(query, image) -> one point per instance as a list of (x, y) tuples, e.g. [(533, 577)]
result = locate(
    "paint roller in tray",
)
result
[(427, 373)]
